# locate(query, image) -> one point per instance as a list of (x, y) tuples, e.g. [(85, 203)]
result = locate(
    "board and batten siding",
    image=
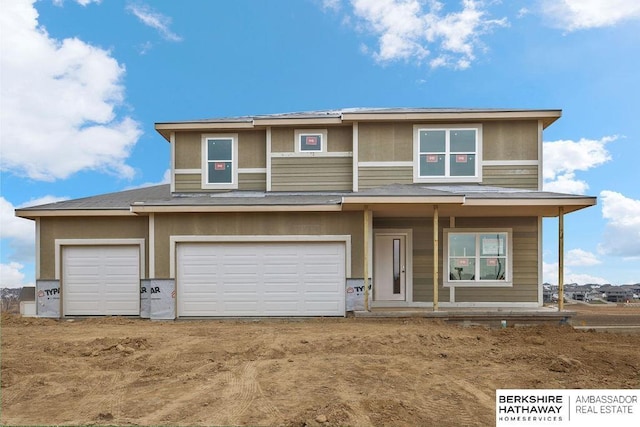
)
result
[(315, 173)]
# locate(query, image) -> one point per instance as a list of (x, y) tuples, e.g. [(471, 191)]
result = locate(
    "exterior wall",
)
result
[(311, 173), (525, 262), (510, 154), (509, 148), (86, 228), (525, 259), (422, 254), (291, 171), (376, 176), (385, 142), (257, 224), (252, 154), (514, 176), (510, 140)]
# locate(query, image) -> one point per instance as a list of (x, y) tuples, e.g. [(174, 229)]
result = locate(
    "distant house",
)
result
[(617, 293), (273, 215)]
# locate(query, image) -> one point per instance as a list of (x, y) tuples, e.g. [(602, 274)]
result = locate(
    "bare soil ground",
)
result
[(329, 372)]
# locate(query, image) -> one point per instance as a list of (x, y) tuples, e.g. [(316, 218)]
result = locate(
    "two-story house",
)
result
[(273, 215)]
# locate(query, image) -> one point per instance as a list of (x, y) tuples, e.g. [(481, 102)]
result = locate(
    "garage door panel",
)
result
[(261, 279), (101, 280)]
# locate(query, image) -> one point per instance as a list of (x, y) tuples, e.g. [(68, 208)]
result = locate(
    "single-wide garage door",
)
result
[(99, 280), (261, 279)]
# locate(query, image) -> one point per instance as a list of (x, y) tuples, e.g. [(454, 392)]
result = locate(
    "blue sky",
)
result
[(84, 81)]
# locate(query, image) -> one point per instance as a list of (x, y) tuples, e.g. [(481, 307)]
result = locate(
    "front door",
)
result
[(389, 267)]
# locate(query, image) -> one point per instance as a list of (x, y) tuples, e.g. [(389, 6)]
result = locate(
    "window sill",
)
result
[(483, 284)]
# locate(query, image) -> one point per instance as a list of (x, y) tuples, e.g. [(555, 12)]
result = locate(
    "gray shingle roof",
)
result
[(160, 195)]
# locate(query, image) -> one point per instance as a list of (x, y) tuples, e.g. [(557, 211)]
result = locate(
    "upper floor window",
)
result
[(311, 140), (447, 154), (219, 153)]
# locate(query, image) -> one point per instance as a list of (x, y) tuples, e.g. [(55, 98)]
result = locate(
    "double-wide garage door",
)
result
[(101, 280), (261, 279)]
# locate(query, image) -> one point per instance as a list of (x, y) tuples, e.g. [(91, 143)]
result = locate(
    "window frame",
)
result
[(447, 177), (299, 133), (234, 161), (477, 283)]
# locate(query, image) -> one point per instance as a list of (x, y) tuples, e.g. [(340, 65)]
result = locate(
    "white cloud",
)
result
[(564, 157), (579, 257), (572, 15), (415, 30), (550, 275), (11, 275), (622, 231), (80, 2), (20, 232), (155, 20), (58, 103)]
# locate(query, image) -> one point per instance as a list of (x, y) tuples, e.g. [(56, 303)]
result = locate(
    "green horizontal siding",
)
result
[(252, 181), (311, 173), (376, 176), (511, 176)]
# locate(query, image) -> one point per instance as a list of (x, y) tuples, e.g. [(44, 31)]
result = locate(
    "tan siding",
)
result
[(252, 181), (311, 173), (422, 254), (375, 176), (188, 182), (282, 140), (256, 224), (85, 228), (339, 138), (188, 150), (511, 176), (525, 262), (510, 140), (379, 142), (252, 149)]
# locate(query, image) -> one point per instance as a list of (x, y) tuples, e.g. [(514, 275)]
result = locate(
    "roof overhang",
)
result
[(145, 209), (38, 213), (347, 116)]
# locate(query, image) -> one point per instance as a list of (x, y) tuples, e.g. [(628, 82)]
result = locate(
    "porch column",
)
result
[(365, 268), (435, 258), (560, 258)]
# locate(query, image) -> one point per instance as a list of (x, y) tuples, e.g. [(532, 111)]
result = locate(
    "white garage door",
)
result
[(99, 280), (261, 279)]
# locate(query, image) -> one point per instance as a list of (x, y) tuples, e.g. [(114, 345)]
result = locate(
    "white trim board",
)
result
[(59, 243)]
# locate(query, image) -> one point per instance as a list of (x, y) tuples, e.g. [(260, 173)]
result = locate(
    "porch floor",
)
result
[(480, 316)]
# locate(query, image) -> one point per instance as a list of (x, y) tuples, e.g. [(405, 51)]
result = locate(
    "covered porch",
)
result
[(464, 252)]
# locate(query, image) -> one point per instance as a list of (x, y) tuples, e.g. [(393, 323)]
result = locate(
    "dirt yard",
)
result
[(319, 372)]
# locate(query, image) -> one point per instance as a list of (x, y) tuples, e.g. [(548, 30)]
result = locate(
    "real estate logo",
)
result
[(567, 407)]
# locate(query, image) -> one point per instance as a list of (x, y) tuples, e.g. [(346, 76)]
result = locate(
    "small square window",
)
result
[(311, 140)]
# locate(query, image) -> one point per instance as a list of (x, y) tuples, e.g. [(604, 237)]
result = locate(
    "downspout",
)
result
[(435, 258)]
